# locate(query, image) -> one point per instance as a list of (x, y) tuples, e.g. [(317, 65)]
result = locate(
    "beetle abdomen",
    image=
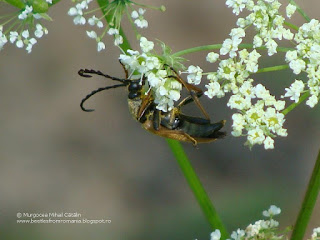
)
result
[(197, 130)]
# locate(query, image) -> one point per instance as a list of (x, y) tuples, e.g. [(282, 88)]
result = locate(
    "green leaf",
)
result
[(46, 16), (170, 59)]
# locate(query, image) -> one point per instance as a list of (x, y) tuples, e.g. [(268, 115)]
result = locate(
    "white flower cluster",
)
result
[(261, 229), (265, 17), (117, 8), (232, 73), (23, 38), (230, 45), (315, 234), (194, 74), (78, 12), (259, 114), (306, 58), (140, 21), (294, 90), (272, 211), (165, 89), (261, 120)]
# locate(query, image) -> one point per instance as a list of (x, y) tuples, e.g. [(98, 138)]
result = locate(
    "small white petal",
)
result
[(13, 36), (216, 235), (113, 31), (19, 43), (25, 34), (134, 14), (92, 34), (101, 46), (72, 11)]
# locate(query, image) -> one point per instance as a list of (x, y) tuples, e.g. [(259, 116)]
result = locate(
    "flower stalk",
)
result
[(293, 105), (197, 188), (273, 68), (303, 14), (308, 203)]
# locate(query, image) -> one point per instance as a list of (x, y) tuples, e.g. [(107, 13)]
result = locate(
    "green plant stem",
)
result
[(218, 46), (293, 105), (303, 14), (291, 25), (185, 165), (197, 188), (274, 68), (55, 2), (308, 203)]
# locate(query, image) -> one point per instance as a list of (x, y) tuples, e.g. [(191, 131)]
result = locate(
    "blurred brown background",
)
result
[(56, 158)]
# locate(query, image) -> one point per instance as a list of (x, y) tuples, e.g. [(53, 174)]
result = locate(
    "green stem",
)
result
[(55, 2), (308, 203), (291, 25), (218, 46), (185, 165), (197, 188), (293, 105), (274, 68), (303, 14)]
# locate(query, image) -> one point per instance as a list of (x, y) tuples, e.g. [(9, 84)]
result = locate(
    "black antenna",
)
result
[(88, 74), (96, 91), (85, 73)]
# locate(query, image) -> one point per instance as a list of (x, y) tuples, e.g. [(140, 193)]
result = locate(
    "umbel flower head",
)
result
[(263, 229), (23, 27), (113, 12), (260, 116), (306, 58)]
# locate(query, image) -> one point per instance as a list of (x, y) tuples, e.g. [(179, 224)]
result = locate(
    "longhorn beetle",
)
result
[(173, 124)]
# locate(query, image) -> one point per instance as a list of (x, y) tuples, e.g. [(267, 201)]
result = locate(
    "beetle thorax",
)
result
[(134, 106)]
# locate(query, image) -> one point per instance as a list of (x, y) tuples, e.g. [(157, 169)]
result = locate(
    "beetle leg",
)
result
[(193, 90), (173, 114), (188, 100), (168, 133), (146, 102), (124, 69), (156, 120), (194, 142), (194, 95)]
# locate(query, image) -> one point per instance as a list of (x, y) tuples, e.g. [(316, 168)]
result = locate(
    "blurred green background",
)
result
[(103, 165)]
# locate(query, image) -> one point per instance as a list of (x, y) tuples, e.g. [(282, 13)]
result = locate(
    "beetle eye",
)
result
[(134, 86), (133, 95)]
